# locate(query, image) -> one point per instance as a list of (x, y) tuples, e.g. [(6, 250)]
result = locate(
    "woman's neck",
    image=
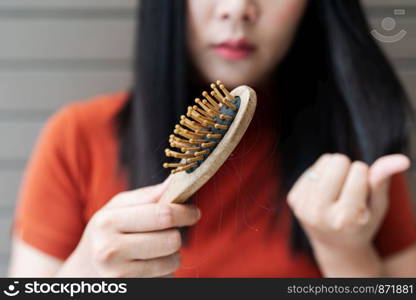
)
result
[(266, 91)]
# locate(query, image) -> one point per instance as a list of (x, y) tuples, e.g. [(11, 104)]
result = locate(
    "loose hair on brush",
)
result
[(336, 90)]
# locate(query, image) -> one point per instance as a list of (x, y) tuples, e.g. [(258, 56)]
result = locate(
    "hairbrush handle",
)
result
[(183, 185)]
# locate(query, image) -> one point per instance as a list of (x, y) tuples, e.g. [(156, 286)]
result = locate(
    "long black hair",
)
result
[(336, 90)]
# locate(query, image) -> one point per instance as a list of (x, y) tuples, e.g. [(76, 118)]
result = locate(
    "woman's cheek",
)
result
[(276, 33), (287, 11), (272, 48), (283, 19)]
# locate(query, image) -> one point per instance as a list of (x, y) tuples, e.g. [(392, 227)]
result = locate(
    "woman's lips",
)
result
[(234, 49)]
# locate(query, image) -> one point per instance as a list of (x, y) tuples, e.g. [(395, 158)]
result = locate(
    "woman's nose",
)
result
[(238, 10)]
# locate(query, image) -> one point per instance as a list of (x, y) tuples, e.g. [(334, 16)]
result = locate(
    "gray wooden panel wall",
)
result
[(403, 51), (55, 51)]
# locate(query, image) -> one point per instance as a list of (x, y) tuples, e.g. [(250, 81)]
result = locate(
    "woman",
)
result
[(331, 120)]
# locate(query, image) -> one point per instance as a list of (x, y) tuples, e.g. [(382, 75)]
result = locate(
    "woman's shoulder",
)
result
[(89, 115), (98, 110), (82, 123)]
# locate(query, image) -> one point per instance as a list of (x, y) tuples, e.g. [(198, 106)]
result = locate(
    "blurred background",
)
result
[(57, 51)]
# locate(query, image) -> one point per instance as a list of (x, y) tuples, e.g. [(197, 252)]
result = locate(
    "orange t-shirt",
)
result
[(73, 173)]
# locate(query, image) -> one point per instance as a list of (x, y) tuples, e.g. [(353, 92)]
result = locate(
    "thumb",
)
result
[(383, 169), (151, 194), (145, 195)]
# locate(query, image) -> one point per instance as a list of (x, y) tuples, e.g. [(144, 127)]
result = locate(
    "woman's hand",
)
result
[(132, 236), (340, 205)]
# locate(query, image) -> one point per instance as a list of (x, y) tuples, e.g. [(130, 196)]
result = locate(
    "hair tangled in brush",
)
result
[(199, 132)]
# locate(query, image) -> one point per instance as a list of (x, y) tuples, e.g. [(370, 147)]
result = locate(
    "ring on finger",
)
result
[(311, 175)]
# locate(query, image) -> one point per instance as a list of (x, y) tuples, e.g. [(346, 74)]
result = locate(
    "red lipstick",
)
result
[(235, 49)]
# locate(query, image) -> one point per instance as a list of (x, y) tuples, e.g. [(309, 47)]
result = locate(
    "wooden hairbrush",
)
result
[(206, 137)]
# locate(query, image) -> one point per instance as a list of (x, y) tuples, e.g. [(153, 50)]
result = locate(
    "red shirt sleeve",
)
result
[(49, 213), (398, 230)]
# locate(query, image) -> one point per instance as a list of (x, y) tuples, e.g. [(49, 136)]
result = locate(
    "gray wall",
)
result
[(55, 51)]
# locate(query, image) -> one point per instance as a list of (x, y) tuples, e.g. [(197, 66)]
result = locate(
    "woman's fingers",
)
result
[(332, 180), (380, 174), (324, 180), (157, 267), (344, 202), (352, 203), (151, 217), (148, 194), (385, 167), (302, 187), (151, 244)]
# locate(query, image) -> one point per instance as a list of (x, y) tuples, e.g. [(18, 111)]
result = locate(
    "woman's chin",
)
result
[(232, 80)]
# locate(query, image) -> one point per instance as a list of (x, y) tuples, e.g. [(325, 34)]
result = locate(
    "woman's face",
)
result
[(240, 41)]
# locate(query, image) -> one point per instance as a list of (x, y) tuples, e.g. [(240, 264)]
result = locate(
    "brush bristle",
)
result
[(202, 128)]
